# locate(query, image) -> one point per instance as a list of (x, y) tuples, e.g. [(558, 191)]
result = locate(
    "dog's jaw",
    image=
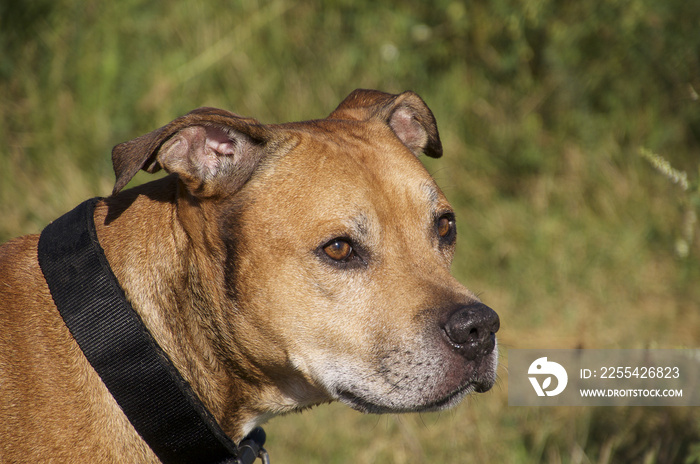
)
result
[(421, 384), (422, 392)]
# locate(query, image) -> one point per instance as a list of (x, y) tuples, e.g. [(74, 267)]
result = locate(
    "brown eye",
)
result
[(339, 250), (445, 226)]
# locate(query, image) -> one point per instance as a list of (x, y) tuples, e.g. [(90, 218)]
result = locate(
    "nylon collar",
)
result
[(156, 399)]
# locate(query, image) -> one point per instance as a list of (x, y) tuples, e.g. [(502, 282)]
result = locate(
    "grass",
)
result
[(543, 108)]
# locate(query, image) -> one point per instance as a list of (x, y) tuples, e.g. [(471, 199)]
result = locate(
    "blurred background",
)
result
[(572, 155)]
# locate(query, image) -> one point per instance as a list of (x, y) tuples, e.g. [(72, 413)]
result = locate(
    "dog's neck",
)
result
[(179, 291)]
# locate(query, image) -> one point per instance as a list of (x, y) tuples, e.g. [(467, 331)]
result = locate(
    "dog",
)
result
[(278, 266)]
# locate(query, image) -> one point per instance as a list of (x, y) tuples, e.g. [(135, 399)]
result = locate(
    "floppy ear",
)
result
[(407, 115), (206, 148)]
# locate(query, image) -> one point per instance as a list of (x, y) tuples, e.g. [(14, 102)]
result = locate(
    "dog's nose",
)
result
[(472, 330)]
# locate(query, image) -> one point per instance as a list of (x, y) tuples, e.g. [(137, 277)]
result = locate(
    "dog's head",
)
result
[(335, 246)]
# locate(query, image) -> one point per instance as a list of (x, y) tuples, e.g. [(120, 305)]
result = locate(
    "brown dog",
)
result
[(278, 266)]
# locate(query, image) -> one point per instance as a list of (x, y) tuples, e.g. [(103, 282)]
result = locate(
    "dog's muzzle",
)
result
[(471, 330)]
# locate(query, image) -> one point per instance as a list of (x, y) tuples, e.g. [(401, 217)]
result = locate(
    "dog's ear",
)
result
[(407, 115), (202, 147)]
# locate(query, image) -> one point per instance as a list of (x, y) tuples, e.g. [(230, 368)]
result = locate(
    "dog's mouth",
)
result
[(425, 395), (366, 405)]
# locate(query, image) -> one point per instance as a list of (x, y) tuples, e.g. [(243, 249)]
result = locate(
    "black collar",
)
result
[(155, 397)]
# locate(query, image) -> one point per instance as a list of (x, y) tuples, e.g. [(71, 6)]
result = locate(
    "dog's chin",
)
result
[(369, 405)]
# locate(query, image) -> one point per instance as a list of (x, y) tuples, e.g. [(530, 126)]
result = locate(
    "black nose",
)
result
[(472, 330)]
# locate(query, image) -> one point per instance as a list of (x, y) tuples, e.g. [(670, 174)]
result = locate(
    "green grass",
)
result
[(543, 108)]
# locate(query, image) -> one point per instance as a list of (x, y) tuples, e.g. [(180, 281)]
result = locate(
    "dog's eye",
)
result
[(338, 249), (446, 226)]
